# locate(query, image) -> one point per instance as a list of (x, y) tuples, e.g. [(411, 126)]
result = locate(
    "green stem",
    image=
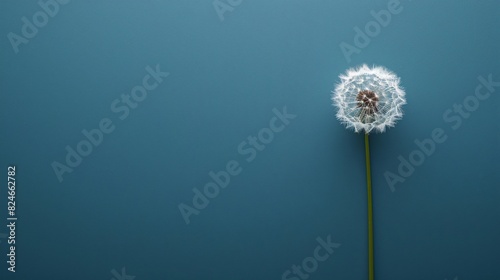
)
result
[(370, 208)]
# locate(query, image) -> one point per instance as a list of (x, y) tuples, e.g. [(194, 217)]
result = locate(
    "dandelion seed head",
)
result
[(369, 99)]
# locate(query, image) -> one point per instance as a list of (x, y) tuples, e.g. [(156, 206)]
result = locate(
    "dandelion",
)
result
[(369, 99)]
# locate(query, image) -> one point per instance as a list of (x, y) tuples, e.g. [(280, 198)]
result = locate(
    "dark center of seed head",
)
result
[(367, 101)]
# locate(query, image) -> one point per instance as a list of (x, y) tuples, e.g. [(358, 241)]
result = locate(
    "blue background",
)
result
[(119, 207)]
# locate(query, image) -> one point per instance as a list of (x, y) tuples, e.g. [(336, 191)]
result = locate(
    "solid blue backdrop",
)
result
[(230, 64)]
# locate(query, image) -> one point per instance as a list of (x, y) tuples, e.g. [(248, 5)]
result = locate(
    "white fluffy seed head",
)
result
[(358, 115)]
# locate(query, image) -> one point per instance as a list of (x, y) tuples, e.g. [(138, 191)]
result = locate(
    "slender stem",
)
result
[(370, 208)]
